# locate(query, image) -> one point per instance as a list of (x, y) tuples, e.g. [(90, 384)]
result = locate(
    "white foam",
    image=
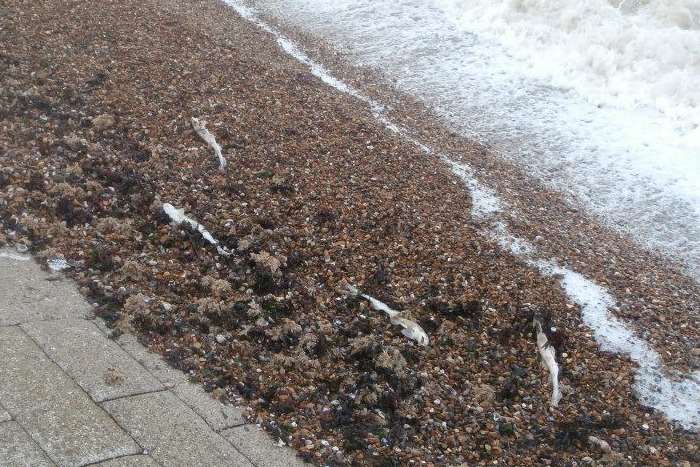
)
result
[(599, 102), (507, 241), (644, 54), (678, 397), (289, 47), (485, 202)]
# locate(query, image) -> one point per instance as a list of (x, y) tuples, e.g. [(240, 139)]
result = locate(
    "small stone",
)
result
[(267, 261), (73, 141), (600, 444), (220, 338), (103, 122), (391, 360), (113, 377), (484, 394), (506, 429)]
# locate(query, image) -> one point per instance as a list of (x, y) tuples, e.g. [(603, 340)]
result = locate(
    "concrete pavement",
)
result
[(70, 396)]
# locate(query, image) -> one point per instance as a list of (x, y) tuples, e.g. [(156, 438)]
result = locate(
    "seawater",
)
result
[(599, 99)]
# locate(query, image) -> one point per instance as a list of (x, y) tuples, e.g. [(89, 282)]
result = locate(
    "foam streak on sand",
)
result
[(675, 395), (290, 48), (678, 398), (485, 202)]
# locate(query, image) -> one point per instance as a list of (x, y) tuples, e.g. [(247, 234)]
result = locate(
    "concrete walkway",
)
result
[(70, 396)]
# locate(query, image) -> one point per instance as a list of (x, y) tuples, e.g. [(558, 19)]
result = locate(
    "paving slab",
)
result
[(216, 414), (17, 448), (257, 446), (27, 295), (100, 366), (219, 416), (171, 432), (57, 414), (4, 416), (129, 461), (153, 362)]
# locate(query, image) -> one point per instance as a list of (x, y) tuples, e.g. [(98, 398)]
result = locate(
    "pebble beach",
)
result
[(97, 144)]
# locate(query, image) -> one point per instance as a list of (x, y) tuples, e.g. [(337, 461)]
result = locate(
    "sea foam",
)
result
[(598, 99)]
